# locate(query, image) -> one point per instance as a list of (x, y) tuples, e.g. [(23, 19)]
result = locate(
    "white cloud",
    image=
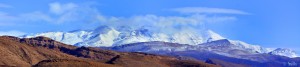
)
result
[(206, 10), (59, 13), (85, 15), (59, 8), (73, 13), (167, 24), (12, 33), (5, 6)]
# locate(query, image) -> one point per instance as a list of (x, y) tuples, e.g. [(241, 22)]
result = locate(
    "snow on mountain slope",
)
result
[(254, 48), (108, 36), (105, 39), (214, 36), (105, 36), (65, 37), (221, 47), (284, 52), (154, 46)]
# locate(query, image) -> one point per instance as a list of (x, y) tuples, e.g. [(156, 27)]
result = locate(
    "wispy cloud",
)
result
[(59, 8), (72, 13), (85, 15), (206, 10), (5, 6), (166, 24), (59, 13)]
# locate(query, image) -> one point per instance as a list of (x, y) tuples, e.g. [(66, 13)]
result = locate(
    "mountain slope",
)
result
[(14, 53), (223, 63), (42, 51), (223, 50)]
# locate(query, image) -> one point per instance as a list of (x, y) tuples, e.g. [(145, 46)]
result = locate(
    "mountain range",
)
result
[(203, 45), (105, 36)]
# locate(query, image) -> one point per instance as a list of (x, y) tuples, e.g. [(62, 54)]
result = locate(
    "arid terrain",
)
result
[(45, 52)]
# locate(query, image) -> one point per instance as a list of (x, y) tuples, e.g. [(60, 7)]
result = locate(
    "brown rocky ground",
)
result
[(45, 52)]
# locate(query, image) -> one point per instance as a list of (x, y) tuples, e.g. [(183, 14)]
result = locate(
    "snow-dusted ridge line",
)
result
[(108, 36), (118, 37)]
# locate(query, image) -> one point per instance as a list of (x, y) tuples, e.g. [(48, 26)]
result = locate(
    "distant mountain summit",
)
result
[(105, 36)]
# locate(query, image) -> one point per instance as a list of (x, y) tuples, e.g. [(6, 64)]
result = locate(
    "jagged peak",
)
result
[(214, 35)]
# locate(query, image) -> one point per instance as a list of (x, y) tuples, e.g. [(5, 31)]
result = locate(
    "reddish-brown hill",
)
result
[(42, 51)]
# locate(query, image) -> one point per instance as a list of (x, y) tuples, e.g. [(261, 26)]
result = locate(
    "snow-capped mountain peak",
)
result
[(214, 36)]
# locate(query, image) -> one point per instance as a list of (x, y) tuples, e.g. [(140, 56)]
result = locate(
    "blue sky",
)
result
[(268, 23)]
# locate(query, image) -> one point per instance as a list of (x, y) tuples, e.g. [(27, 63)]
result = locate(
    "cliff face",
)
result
[(42, 51)]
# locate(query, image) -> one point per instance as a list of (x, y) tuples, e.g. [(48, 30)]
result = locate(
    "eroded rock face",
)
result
[(42, 51)]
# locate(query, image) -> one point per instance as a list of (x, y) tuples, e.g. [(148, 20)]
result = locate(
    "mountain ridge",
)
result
[(224, 52), (108, 36)]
